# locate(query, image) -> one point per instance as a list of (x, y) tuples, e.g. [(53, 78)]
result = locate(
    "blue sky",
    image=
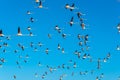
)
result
[(102, 16)]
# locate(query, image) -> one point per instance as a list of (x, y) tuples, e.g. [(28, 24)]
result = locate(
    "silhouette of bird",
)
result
[(47, 50), (40, 44), (57, 29), (37, 1), (19, 32), (14, 76), (2, 60), (63, 66), (79, 36), (86, 37), (40, 4), (72, 7), (59, 47), (31, 34), (64, 35), (35, 49), (118, 48), (36, 74), (43, 76), (15, 51), (1, 65), (5, 44), (67, 6), (80, 43), (1, 33), (104, 60), (79, 14), (74, 66), (31, 44), (28, 28), (84, 56), (108, 55), (32, 19), (98, 62), (49, 36), (71, 21), (97, 78), (8, 38), (28, 12), (83, 25), (101, 75), (63, 50), (39, 64)]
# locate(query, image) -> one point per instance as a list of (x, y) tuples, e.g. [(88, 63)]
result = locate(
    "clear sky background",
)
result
[(102, 16)]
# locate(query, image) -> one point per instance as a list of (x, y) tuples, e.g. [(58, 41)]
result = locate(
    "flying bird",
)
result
[(1, 33), (82, 25), (71, 21), (79, 14), (72, 7), (86, 37), (104, 60), (84, 56), (32, 19), (101, 75), (58, 46), (37, 1), (39, 64), (74, 65), (80, 43), (19, 32), (97, 78), (63, 50), (118, 27), (79, 36), (31, 44), (5, 44), (40, 4), (64, 35), (47, 50), (118, 48), (8, 38), (28, 12), (14, 76), (40, 44), (67, 6), (36, 75), (31, 34), (49, 36), (98, 63), (28, 28), (57, 29)]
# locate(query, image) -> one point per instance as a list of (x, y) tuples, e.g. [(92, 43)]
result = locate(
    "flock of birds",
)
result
[(82, 53)]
